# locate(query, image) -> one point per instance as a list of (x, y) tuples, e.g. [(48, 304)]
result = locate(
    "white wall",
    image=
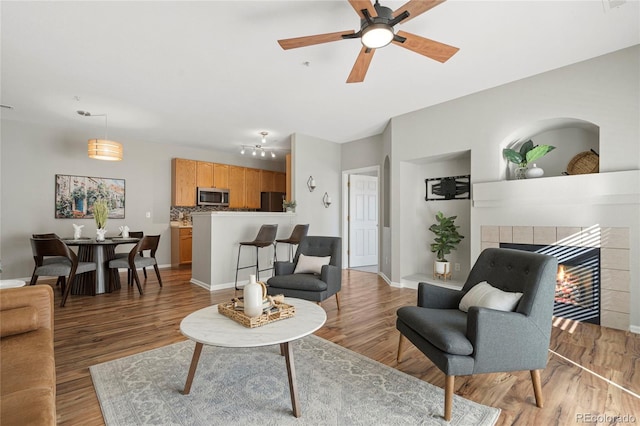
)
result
[(31, 156), (321, 159), (415, 225), (362, 153), (603, 91)]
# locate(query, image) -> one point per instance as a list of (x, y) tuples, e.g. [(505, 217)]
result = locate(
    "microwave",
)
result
[(213, 197)]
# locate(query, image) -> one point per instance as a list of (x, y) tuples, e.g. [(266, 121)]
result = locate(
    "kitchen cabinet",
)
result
[(220, 176), (288, 177), (236, 187), (183, 182), (181, 247), (252, 188), (267, 181), (280, 182), (204, 174), (244, 183)]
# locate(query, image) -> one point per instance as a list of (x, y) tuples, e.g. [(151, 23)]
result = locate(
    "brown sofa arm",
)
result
[(39, 297)]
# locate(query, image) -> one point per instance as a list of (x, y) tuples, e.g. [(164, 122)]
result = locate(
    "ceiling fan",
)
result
[(376, 31)]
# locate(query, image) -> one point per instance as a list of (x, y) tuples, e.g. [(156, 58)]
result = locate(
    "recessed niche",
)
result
[(570, 137)]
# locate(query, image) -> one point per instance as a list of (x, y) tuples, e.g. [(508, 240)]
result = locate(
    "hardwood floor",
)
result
[(90, 330)]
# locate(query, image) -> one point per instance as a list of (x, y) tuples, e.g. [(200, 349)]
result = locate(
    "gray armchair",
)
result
[(310, 286), (485, 340)]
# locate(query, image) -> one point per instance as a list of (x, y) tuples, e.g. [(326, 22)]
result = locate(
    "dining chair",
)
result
[(68, 266), (134, 260), (132, 234), (49, 260)]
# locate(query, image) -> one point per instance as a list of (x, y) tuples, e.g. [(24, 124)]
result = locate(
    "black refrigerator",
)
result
[(271, 201)]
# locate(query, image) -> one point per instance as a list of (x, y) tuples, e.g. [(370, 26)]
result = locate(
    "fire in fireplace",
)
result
[(577, 282)]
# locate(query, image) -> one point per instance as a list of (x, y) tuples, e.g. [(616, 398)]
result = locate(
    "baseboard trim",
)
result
[(634, 329)]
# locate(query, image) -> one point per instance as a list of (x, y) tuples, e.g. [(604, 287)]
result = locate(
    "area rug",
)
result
[(336, 386)]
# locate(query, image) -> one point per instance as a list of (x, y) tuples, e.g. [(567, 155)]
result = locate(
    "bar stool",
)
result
[(265, 238), (297, 235)]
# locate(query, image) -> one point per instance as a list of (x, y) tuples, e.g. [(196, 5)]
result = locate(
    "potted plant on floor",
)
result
[(446, 240)]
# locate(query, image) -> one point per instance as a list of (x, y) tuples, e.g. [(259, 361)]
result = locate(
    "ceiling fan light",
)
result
[(377, 35), (262, 153), (253, 152), (273, 154), (242, 151)]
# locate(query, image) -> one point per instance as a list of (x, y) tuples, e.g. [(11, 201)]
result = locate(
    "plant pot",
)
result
[(442, 268), (100, 234), (520, 172)]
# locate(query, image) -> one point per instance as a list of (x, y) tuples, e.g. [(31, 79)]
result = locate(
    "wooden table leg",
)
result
[(192, 368), (291, 372)]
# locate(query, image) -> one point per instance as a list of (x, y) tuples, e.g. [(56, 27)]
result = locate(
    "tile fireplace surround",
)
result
[(614, 256)]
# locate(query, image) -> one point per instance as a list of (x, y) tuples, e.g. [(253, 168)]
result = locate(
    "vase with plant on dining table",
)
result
[(100, 214)]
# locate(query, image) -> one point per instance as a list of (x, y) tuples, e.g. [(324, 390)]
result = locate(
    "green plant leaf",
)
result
[(538, 151), (512, 155), (526, 147)]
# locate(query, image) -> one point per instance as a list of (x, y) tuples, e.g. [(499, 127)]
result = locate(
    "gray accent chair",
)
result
[(315, 288), (64, 263), (486, 340)]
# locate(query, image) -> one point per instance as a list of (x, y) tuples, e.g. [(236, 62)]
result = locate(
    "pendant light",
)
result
[(103, 149)]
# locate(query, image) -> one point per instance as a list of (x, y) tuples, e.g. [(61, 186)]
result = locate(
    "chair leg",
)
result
[(63, 284), (144, 271), (448, 396), (257, 264), (537, 387), (34, 279), (237, 266), (338, 300), (134, 272), (400, 342), (72, 277), (157, 274)]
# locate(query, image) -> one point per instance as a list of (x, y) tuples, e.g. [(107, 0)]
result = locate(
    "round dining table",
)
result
[(100, 252)]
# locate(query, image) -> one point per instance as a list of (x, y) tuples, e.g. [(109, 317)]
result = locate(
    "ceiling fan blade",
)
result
[(292, 43), (430, 48), (416, 8), (358, 5), (361, 66)]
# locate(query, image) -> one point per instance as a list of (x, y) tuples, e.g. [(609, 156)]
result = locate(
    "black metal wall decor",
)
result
[(448, 188)]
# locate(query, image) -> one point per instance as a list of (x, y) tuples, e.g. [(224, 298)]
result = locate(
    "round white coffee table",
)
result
[(12, 283), (208, 327)]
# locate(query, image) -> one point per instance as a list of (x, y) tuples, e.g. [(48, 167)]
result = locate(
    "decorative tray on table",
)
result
[(274, 311)]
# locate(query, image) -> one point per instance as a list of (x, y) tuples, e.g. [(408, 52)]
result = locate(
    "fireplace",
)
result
[(577, 282)]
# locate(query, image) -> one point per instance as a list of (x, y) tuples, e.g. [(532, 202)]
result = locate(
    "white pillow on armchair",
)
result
[(311, 264)]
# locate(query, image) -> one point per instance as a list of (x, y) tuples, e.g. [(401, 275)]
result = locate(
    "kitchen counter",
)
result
[(216, 238), (179, 224)]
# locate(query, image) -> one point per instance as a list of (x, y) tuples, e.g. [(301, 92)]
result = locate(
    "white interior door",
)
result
[(363, 220)]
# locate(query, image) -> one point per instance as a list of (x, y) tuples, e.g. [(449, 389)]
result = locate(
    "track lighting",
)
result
[(259, 148)]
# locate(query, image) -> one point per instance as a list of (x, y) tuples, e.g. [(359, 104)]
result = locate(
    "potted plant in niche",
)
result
[(528, 153), (446, 240), (100, 214), (289, 206)]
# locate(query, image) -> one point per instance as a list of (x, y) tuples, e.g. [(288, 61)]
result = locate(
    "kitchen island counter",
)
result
[(216, 238)]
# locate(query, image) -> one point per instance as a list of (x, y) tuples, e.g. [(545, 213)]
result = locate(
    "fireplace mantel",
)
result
[(597, 188)]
